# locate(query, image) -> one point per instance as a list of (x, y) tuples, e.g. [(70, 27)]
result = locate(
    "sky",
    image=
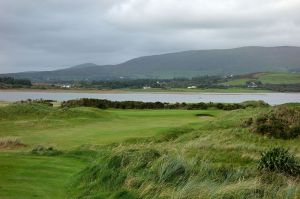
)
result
[(40, 35)]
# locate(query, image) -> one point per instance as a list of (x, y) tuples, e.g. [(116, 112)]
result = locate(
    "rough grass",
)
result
[(10, 143), (279, 160), (219, 159), (144, 154), (42, 172), (280, 122)]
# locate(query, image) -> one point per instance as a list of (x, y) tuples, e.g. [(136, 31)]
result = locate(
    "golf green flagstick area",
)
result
[(86, 152)]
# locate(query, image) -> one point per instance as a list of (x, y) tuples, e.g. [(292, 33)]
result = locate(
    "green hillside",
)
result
[(266, 78), (181, 64)]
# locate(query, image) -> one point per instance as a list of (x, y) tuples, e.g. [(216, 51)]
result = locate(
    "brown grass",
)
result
[(10, 143)]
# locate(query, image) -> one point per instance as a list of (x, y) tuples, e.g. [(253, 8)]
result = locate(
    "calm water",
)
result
[(271, 98)]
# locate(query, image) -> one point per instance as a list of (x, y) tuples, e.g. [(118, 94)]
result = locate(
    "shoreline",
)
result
[(63, 91), (128, 91)]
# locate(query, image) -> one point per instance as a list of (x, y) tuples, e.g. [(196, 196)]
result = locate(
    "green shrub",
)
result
[(252, 103), (47, 151), (103, 104), (280, 122), (37, 101), (279, 160)]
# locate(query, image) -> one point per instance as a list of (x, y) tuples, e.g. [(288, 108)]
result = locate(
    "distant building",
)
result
[(146, 87), (66, 86), (228, 76), (192, 87), (252, 85)]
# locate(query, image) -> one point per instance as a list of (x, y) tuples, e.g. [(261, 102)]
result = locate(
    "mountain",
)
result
[(181, 64)]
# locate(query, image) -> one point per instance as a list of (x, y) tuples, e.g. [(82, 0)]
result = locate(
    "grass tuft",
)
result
[(279, 160), (10, 143)]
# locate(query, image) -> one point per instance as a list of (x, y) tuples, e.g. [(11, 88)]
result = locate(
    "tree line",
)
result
[(12, 82), (203, 82), (104, 104)]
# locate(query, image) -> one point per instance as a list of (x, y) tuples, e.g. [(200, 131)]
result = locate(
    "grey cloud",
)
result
[(51, 34)]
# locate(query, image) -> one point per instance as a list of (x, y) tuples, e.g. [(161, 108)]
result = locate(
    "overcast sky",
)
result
[(52, 34)]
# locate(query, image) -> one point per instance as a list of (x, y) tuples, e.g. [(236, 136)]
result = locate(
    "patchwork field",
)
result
[(268, 78)]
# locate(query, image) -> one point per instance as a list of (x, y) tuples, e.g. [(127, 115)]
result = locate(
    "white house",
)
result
[(252, 85)]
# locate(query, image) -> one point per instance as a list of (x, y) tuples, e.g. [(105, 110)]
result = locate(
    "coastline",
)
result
[(124, 91), (29, 90)]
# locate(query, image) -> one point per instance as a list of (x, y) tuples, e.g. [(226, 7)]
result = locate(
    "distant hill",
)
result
[(181, 64)]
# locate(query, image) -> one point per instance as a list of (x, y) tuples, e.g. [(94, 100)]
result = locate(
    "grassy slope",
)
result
[(216, 160), (93, 126), (218, 156), (280, 78), (46, 177), (27, 176), (268, 78)]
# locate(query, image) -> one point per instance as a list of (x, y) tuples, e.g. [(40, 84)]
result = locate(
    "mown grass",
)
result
[(142, 154), (70, 128), (28, 176)]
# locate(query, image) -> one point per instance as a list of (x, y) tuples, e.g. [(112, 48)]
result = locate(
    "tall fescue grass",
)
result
[(175, 176), (217, 160), (279, 160)]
